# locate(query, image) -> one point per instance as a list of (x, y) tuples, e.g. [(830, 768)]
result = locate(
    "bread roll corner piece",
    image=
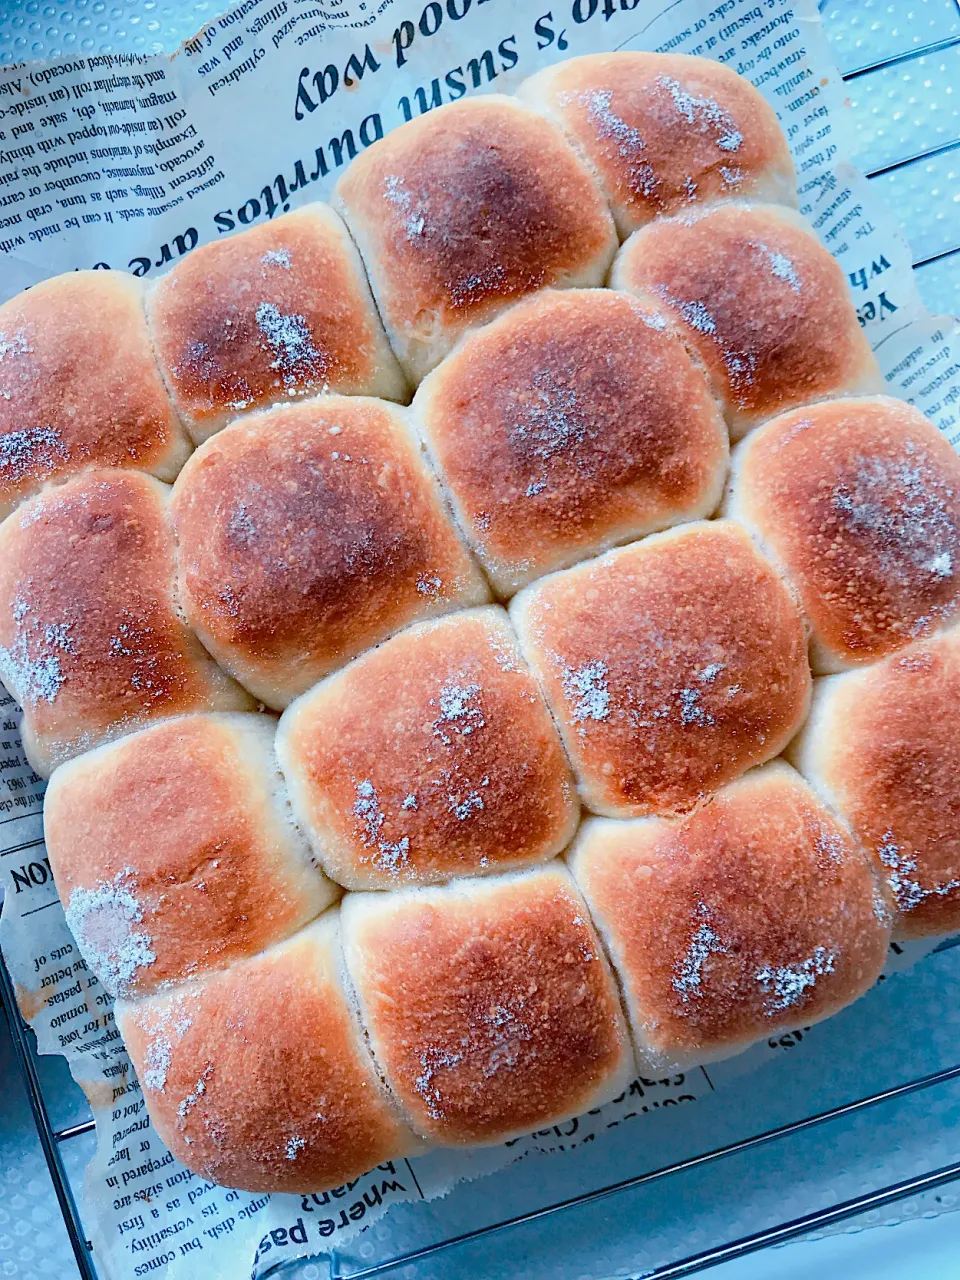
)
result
[(757, 913), (221, 872), (79, 385), (489, 1004), (672, 666), (91, 641), (462, 211), (763, 304), (431, 756), (881, 746), (279, 311), (858, 500), (667, 131), (257, 1077)]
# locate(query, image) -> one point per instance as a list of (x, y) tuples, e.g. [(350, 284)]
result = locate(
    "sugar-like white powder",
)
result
[(689, 969), (787, 983), (705, 112), (587, 689), (103, 920)]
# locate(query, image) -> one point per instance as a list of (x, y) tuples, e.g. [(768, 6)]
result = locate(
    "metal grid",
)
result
[(51, 1139)]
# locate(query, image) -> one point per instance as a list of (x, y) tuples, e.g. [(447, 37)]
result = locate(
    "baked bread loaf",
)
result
[(573, 422), (859, 502), (307, 534), (666, 131), (881, 746), (761, 302), (282, 311), (459, 772), (174, 851), (671, 666), (756, 913), (257, 1076), (91, 640), (79, 385), (489, 1005), (431, 750), (465, 210)]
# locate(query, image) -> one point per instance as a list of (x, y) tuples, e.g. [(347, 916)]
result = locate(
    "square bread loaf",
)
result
[(574, 422), (80, 387), (225, 871), (463, 774), (376, 921), (277, 313), (672, 666), (307, 534), (461, 212), (666, 131), (501, 979), (92, 643)]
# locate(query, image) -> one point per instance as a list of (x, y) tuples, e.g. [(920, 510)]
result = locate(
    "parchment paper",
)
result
[(128, 162)]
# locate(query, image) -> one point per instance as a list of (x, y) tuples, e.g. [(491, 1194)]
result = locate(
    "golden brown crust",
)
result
[(91, 643), (756, 913), (256, 1077), (307, 534), (882, 746), (666, 131), (174, 851), (279, 311), (489, 1005), (465, 210), (859, 501), (432, 756), (763, 304), (79, 386), (573, 422), (672, 666)]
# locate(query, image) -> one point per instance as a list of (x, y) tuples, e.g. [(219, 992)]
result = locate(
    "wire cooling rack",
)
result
[(915, 51)]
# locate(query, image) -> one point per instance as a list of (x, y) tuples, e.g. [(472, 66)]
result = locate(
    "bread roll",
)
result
[(432, 756), (754, 914), (882, 747), (257, 1076), (91, 641), (859, 502), (762, 303), (665, 131), (307, 534), (79, 385), (571, 423), (174, 851), (671, 666), (488, 1003), (463, 211), (280, 311)]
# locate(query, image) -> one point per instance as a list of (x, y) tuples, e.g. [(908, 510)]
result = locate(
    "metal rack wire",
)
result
[(51, 1139)]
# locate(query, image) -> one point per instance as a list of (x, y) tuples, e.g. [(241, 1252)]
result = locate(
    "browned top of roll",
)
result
[(466, 209), (859, 500), (280, 311), (755, 913), (883, 745), (91, 643), (575, 421), (256, 1077), (174, 852), (434, 755), (489, 1005), (666, 131), (671, 665), (764, 305), (309, 533), (79, 385)]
